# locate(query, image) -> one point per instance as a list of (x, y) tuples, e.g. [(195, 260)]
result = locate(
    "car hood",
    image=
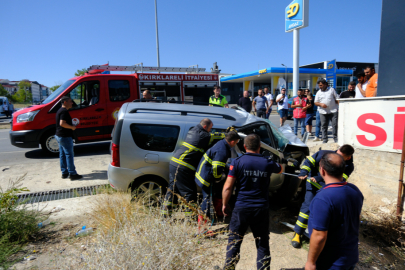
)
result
[(289, 134), (28, 109), (284, 135)]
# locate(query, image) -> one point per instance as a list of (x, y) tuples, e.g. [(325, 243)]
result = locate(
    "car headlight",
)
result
[(27, 117)]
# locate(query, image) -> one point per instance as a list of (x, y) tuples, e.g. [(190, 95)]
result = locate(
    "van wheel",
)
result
[(49, 144), (149, 189)]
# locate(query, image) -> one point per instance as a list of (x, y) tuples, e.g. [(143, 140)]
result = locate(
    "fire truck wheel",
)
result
[(49, 144)]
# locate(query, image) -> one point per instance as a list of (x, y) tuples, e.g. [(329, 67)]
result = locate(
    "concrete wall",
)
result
[(375, 173)]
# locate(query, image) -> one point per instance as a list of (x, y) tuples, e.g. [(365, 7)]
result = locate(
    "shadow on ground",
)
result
[(95, 175)]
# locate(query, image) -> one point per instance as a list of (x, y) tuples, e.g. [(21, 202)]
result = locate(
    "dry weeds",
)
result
[(385, 226), (133, 235)]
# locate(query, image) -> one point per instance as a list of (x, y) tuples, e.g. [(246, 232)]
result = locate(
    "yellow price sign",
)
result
[(294, 8)]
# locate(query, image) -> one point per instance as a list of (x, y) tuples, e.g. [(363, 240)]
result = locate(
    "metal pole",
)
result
[(157, 36), (401, 181), (296, 60)]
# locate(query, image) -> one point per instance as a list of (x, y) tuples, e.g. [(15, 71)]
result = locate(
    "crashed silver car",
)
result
[(146, 135)]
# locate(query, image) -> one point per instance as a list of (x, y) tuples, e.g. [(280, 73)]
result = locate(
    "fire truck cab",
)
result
[(97, 98)]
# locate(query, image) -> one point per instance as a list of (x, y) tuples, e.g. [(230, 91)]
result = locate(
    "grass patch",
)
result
[(17, 223), (21, 105), (106, 189)]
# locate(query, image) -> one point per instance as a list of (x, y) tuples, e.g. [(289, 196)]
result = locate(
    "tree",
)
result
[(53, 88), (3, 92), (80, 72), (23, 94)]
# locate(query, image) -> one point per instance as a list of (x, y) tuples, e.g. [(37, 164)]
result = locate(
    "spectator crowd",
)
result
[(323, 106)]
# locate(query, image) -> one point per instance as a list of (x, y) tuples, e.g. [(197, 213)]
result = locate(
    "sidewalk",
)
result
[(45, 176)]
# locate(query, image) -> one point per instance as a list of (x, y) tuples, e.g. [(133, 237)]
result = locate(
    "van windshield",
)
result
[(58, 91)]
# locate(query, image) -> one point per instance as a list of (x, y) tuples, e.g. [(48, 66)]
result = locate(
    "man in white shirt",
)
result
[(362, 85), (326, 100), (270, 100), (282, 105)]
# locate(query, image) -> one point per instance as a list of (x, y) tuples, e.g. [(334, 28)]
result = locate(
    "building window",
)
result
[(119, 90), (159, 138)]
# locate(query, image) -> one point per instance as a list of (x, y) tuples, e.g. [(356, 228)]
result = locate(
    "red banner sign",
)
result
[(177, 77)]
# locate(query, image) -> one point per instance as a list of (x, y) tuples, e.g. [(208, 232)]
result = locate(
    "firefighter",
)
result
[(314, 183), (211, 167), (184, 162), (218, 99), (250, 174)]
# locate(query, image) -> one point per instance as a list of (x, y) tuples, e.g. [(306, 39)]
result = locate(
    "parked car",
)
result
[(146, 135)]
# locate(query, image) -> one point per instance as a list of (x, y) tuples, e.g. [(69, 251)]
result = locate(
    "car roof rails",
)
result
[(183, 112), (177, 102)]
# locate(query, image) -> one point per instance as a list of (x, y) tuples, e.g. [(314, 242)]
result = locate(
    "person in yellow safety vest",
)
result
[(314, 183), (218, 99), (183, 164), (210, 170)]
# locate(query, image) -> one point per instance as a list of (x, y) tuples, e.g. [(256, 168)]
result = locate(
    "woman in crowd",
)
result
[(310, 111)]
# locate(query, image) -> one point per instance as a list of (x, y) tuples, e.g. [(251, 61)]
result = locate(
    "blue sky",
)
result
[(47, 41)]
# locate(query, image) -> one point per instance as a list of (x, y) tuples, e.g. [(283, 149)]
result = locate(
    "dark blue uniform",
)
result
[(311, 168), (183, 165), (211, 167), (252, 173), (336, 209)]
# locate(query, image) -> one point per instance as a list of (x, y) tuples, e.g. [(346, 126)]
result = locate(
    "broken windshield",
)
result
[(281, 140)]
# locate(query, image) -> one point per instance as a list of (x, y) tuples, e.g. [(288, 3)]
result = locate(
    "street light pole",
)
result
[(157, 36), (285, 77)]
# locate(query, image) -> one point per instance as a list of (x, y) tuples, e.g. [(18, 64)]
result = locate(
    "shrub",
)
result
[(17, 223)]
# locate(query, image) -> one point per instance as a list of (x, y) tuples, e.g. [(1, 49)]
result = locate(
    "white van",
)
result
[(6, 108)]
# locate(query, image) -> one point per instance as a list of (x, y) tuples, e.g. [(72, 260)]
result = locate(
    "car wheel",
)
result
[(149, 189), (49, 144)]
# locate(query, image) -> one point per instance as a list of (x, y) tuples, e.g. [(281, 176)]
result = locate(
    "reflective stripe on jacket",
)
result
[(311, 168), (213, 164), (192, 149)]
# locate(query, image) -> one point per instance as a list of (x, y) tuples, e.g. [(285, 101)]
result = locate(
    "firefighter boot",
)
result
[(296, 241)]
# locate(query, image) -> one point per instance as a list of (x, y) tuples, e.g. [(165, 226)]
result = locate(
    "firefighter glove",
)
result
[(231, 128)]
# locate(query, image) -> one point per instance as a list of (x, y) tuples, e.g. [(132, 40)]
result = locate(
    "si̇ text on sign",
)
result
[(374, 124)]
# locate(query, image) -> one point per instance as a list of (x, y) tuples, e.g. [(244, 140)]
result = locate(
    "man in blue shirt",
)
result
[(250, 174), (334, 219), (261, 105)]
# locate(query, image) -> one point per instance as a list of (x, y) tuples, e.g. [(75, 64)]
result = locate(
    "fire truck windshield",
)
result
[(58, 91)]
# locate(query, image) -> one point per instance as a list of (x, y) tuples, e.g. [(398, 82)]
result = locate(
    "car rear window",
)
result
[(161, 138)]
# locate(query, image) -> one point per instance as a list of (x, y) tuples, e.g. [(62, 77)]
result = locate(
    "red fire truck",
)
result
[(98, 97)]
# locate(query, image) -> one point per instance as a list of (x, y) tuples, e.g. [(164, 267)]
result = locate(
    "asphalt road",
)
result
[(10, 154)]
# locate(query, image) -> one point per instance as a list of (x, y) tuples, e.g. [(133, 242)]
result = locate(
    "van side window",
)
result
[(119, 90), (85, 94), (159, 138)]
